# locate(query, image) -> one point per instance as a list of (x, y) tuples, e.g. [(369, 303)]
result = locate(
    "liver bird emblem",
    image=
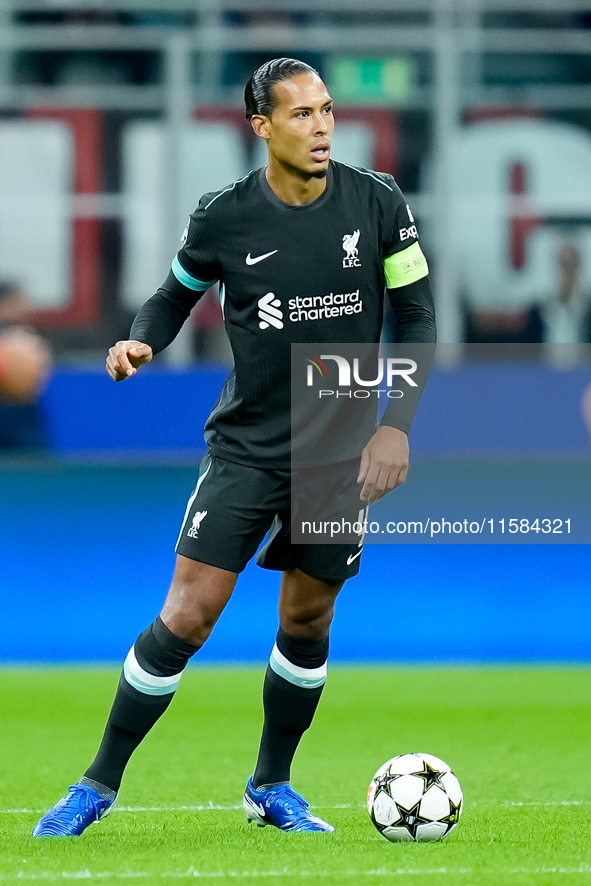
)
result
[(350, 244), (197, 518)]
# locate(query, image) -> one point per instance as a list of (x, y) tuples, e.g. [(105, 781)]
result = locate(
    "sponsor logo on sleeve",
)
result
[(409, 233)]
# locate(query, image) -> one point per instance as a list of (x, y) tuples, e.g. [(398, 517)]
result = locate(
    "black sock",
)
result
[(151, 674), (290, 699)]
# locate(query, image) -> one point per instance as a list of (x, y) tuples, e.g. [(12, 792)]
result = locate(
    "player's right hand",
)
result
[(126, 357)]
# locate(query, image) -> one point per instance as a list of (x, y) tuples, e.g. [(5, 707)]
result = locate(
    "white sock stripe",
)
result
[(147, 683), (307, 678)]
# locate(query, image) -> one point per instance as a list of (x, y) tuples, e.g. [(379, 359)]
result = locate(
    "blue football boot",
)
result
[(281, 807), (71, 816)]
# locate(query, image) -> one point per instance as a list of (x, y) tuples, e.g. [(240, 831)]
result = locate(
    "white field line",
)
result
[(213, 807), (202, 807), (193, 873), (531, 803)]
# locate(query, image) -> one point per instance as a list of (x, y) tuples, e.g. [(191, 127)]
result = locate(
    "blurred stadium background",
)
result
[(115, 115)]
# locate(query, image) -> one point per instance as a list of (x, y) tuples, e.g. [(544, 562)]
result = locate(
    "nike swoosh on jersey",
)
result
[(258, 258), (352, 557)]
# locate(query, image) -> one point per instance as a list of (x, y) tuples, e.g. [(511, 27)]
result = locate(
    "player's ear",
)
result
[(260, 124)]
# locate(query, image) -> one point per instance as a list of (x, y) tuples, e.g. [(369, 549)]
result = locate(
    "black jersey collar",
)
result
[(290, 207)]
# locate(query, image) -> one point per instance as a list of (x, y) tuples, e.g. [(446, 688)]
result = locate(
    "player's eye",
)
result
[(303, 114)]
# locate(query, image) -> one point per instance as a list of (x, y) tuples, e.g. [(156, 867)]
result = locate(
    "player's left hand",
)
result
[(384, 463)]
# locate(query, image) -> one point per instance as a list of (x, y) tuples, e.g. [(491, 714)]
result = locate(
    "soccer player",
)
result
[(303, 226)]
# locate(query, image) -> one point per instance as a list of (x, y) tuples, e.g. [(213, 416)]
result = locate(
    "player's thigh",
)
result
[(326, 499), (229, 513)]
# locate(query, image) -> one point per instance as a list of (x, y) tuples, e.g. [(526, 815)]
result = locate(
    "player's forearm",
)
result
[(158, 322), (414, 311), (400, 412), (416, 336)]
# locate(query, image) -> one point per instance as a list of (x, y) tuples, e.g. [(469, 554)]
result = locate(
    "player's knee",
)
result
[(191, 619), (311, 621), (196, 599), (306, 606)]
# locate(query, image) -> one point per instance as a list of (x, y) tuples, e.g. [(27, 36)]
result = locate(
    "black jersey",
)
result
[(289, 274)]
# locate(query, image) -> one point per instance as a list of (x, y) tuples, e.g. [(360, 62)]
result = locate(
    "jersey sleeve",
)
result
[(194, 269), (406, 273), (196, 264), (403, 257)]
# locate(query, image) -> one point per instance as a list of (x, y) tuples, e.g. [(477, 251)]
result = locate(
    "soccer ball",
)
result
[(414, 797)]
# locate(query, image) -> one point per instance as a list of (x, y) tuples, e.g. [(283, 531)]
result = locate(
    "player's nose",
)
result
[(321, 124)]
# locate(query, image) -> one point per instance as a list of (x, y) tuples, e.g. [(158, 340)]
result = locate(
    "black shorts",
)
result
[(234, 506)]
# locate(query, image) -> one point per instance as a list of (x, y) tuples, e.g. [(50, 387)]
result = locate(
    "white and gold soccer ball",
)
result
[(414, 797)]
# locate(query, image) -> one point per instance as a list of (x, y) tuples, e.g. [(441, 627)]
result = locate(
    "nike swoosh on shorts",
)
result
[(352, 557)]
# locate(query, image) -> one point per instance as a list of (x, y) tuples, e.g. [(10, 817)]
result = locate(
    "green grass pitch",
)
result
[(517, 738)]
